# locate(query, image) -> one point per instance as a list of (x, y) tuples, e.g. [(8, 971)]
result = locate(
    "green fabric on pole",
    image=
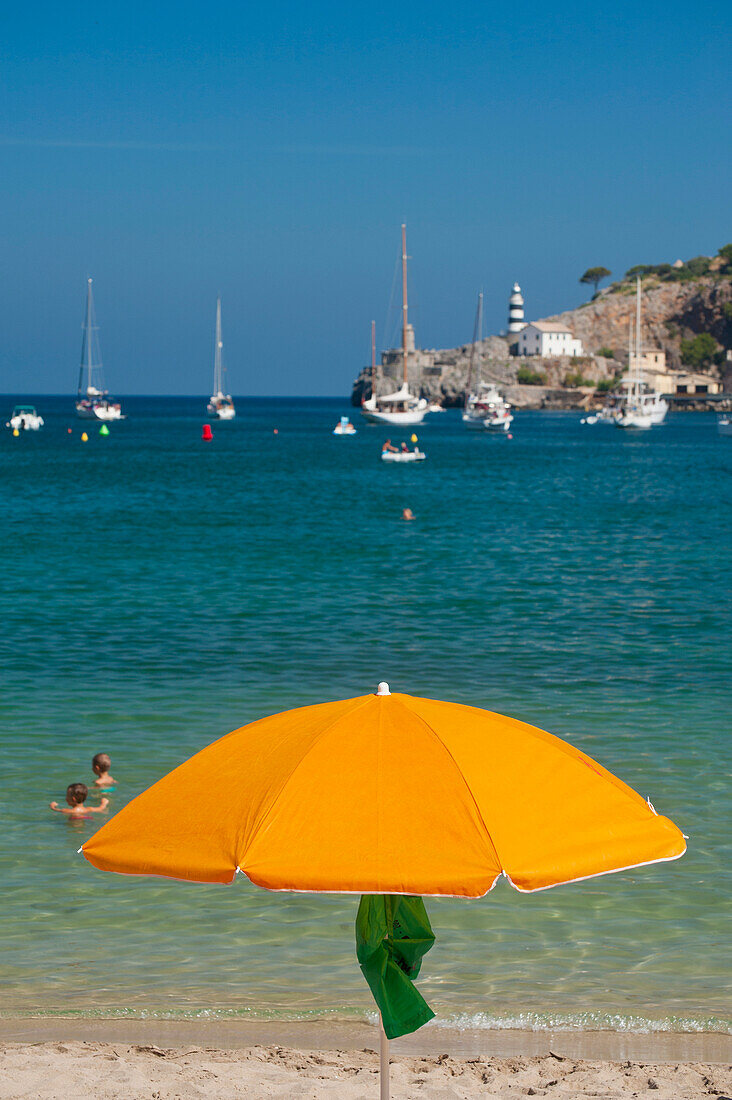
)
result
[(393, 933)]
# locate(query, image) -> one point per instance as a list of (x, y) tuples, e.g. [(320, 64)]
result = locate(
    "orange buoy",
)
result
[(207, 434), (84, 437)]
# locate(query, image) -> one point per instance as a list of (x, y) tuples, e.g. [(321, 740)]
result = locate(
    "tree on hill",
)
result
[(726, 253), (699, 351), (595, 275)]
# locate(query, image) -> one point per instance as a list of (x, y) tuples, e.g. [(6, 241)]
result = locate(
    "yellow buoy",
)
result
[(15, 431), (84, 437), (414, 438)]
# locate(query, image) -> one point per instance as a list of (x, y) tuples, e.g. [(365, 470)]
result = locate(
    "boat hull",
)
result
[(498, 423), (635, 421), (405, 419), (226, 413), (99, 412), (403, 456), (491, 423), (658, 414), (26, 423)]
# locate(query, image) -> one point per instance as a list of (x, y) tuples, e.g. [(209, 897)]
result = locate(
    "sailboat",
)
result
[(92, 400), (400, 408), (632, 412), (220, 404), (485, 406)]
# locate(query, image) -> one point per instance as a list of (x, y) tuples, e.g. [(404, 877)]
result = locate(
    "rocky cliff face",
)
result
[(671, 312)]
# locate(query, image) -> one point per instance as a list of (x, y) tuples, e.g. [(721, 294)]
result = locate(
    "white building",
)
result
[(516, 310), (548, 339)]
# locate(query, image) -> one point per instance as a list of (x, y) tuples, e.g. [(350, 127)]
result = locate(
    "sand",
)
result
[(114, 1070)]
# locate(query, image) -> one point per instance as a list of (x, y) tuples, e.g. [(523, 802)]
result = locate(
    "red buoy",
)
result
[(207, 434)]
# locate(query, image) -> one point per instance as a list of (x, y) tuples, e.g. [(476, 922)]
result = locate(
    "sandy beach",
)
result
[(123, 1065), (115, 1071)]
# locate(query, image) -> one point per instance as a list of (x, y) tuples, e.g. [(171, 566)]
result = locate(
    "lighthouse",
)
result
[(516, 310)]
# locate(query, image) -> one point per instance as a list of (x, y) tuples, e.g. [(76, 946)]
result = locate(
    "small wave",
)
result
[(582, 1021), (476, 1021)]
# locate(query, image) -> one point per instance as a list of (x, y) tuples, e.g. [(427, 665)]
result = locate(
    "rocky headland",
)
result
[(679, 303)]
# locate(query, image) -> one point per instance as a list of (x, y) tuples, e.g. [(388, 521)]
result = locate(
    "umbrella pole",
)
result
[(383, 1061)]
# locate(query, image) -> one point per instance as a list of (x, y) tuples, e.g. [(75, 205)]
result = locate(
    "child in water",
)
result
[(76, 794), (100, 766)]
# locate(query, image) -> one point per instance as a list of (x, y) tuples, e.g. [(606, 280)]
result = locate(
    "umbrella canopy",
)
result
[(387, 794)]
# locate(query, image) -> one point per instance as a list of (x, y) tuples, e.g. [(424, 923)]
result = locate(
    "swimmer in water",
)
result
[(100, 766), (407, 514), (76, 794)]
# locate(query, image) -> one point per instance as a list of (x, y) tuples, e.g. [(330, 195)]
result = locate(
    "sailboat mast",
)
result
[(638, 341), (476, 324), (217, 351), (404, 304), (86, 342), (480, 335), (373, 358)]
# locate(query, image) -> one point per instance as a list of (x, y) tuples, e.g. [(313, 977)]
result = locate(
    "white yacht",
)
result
[(220, 404), (485, 406), (92, 400), (632, 411), (638, 406), (400, 408), (24, 418)]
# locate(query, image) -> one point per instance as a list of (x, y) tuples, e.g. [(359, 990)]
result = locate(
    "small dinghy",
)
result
[(403, 456), (344, 427)]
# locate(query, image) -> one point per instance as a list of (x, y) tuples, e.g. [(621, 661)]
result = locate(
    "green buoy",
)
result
[(104, 430)]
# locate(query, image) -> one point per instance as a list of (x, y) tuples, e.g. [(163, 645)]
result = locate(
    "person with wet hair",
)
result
[(76, 795), (100, 766)]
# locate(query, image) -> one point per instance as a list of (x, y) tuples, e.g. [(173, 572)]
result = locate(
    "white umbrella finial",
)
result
[(383, 688)]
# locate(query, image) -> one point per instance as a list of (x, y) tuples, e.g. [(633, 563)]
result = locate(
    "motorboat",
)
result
[(24, 418), (724, 424), (220, 404), (92, 399)]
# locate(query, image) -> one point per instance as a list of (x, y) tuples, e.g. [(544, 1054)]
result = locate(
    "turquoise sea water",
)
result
[(158, 592)]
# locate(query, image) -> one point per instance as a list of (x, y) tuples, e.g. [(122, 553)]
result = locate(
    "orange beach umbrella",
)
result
[(387, 794)]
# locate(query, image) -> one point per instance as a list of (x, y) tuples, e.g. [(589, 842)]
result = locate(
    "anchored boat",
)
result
[(639, 407), (403, 456), (220, 404), (25, 419), (485, 406), (92, 400), (400, 408)]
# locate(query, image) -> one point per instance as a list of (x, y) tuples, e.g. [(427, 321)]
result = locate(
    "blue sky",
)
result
[(177, 151)]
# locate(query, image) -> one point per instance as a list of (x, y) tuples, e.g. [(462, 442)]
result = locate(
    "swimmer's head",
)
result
[(101, 763), (76, 793)]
